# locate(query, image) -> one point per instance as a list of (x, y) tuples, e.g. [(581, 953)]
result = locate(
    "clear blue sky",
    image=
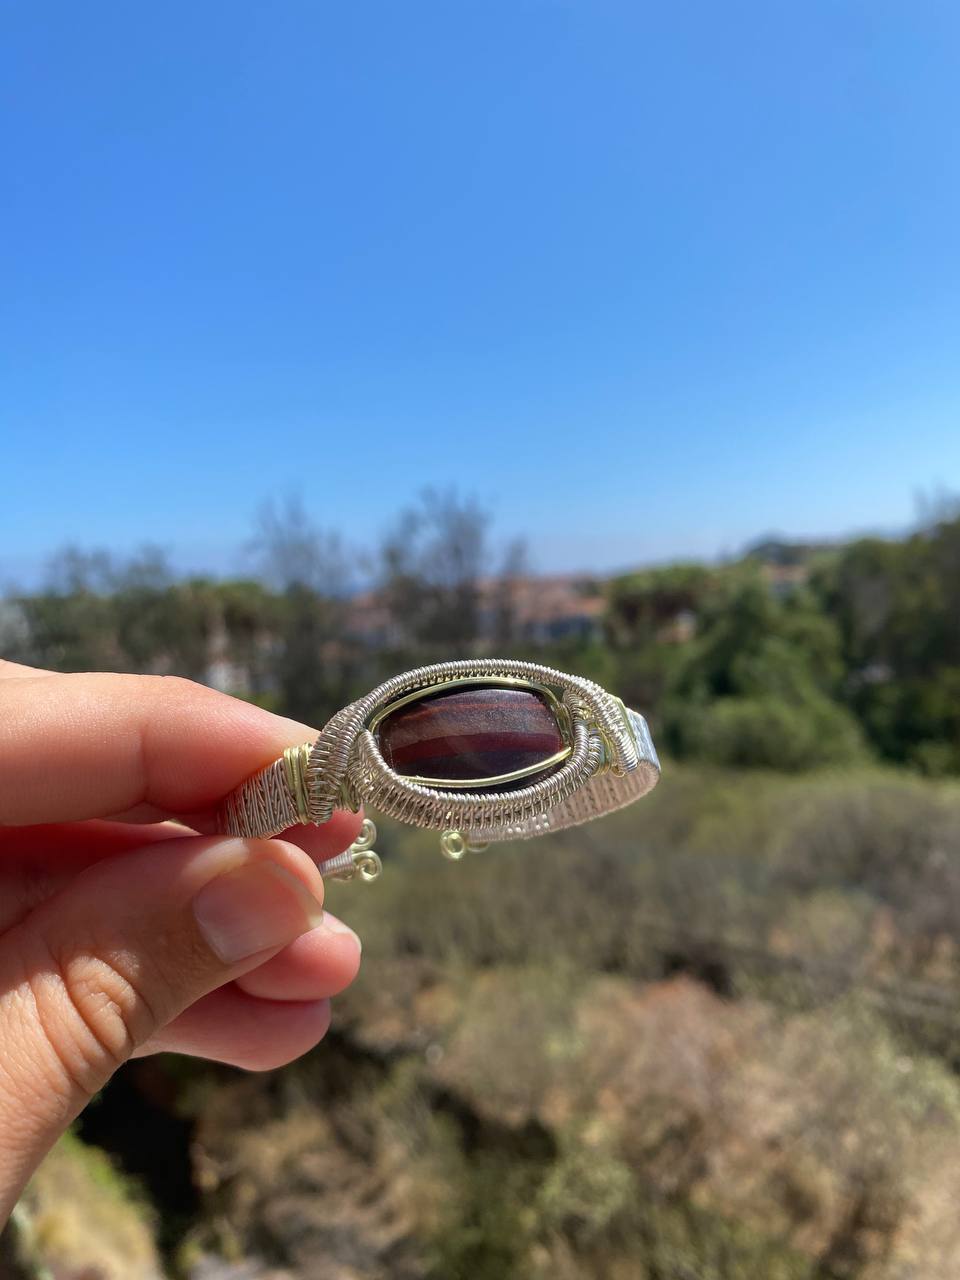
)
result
[(647, 279)]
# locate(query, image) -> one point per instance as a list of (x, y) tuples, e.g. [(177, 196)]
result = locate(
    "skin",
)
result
[(108, 790)]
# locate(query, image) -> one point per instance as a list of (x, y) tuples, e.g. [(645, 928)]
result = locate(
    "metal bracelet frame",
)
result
[(609, 762)]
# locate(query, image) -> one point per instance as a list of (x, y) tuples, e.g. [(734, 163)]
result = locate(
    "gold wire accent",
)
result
[(367, 836), (367, 863), (441, 686), (453, 845), (496, 780), (295, 766)]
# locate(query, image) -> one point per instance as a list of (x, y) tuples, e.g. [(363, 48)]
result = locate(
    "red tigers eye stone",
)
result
[(470, 733)]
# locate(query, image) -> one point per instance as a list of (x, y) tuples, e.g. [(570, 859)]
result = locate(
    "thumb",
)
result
[(132, 941)]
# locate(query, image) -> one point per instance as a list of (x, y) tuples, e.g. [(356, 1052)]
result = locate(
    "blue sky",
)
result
[(646, 279)]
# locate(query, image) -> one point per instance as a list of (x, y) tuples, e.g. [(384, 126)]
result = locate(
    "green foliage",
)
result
[(790, 1131), (718, 872), (714, 1035), (897, 605), (791, 658), (755, 686), (769, 731), (490, 1236), (642, 605), (865, 657)]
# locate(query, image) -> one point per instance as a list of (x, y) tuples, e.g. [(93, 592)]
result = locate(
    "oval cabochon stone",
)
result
[(481, 732)]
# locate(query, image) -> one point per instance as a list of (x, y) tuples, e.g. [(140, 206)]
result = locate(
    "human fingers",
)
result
[(228, 1025), (105, 964), (37, 861), (72, 842), (9, 669), (321, 842), (274, 1013), (94, 745), (317, 964)]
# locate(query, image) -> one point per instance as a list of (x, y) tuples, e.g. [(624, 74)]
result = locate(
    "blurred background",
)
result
[(624, 337)]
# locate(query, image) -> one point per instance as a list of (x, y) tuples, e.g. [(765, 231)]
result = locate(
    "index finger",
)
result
[(9, 670), (89, 745)]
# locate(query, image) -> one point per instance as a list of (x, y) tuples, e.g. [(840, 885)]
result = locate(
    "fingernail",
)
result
[(253, 908), (333, 925)]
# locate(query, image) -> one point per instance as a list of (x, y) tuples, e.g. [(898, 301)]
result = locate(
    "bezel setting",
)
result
[(560, 710)]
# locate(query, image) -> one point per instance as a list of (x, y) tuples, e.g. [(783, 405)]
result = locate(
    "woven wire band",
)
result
[(611, 764)]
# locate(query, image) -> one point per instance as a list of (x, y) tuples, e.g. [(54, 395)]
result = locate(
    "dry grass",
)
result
[(86, 1220), (714, 1036)]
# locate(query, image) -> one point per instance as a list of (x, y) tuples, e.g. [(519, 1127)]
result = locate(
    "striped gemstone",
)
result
[(470, 733)]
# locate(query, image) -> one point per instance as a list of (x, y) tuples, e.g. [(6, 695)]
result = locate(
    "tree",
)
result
[(312, 664), (431, 564), (163, 624), (642, 604), (897, 608), (514, 569), (249, 613), (759, 683), (70, 620)]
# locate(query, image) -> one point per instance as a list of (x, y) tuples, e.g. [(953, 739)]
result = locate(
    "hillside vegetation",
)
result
[(713, 1036), (790, 657)]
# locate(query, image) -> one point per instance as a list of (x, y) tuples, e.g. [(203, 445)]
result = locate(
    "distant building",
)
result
[(533, 609), (370, 622), (545, 610), (784, 579), (681, 628), (786, 565)]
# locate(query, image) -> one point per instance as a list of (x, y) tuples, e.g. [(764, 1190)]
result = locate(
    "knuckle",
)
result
[(173, 688), (93, 1012)]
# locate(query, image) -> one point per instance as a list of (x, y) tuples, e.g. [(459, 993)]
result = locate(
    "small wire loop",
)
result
[(367, 836), (351, 863), (453, 845), (368, 864)]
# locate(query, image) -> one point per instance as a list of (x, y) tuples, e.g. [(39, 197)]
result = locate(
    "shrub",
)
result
[(768, 732)]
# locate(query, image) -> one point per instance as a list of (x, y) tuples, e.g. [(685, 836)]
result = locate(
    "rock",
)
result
[(470, 733)]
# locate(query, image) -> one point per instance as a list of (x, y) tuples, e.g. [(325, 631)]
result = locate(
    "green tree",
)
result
[(249, 613), (759, 683), (312, 664), (897, 608), (69, 622), (431, 564)]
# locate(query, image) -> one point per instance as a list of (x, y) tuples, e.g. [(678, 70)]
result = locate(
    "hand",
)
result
[(125, 927)]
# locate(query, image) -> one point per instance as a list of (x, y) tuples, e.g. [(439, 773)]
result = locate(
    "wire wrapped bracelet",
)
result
[(480, 750)]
